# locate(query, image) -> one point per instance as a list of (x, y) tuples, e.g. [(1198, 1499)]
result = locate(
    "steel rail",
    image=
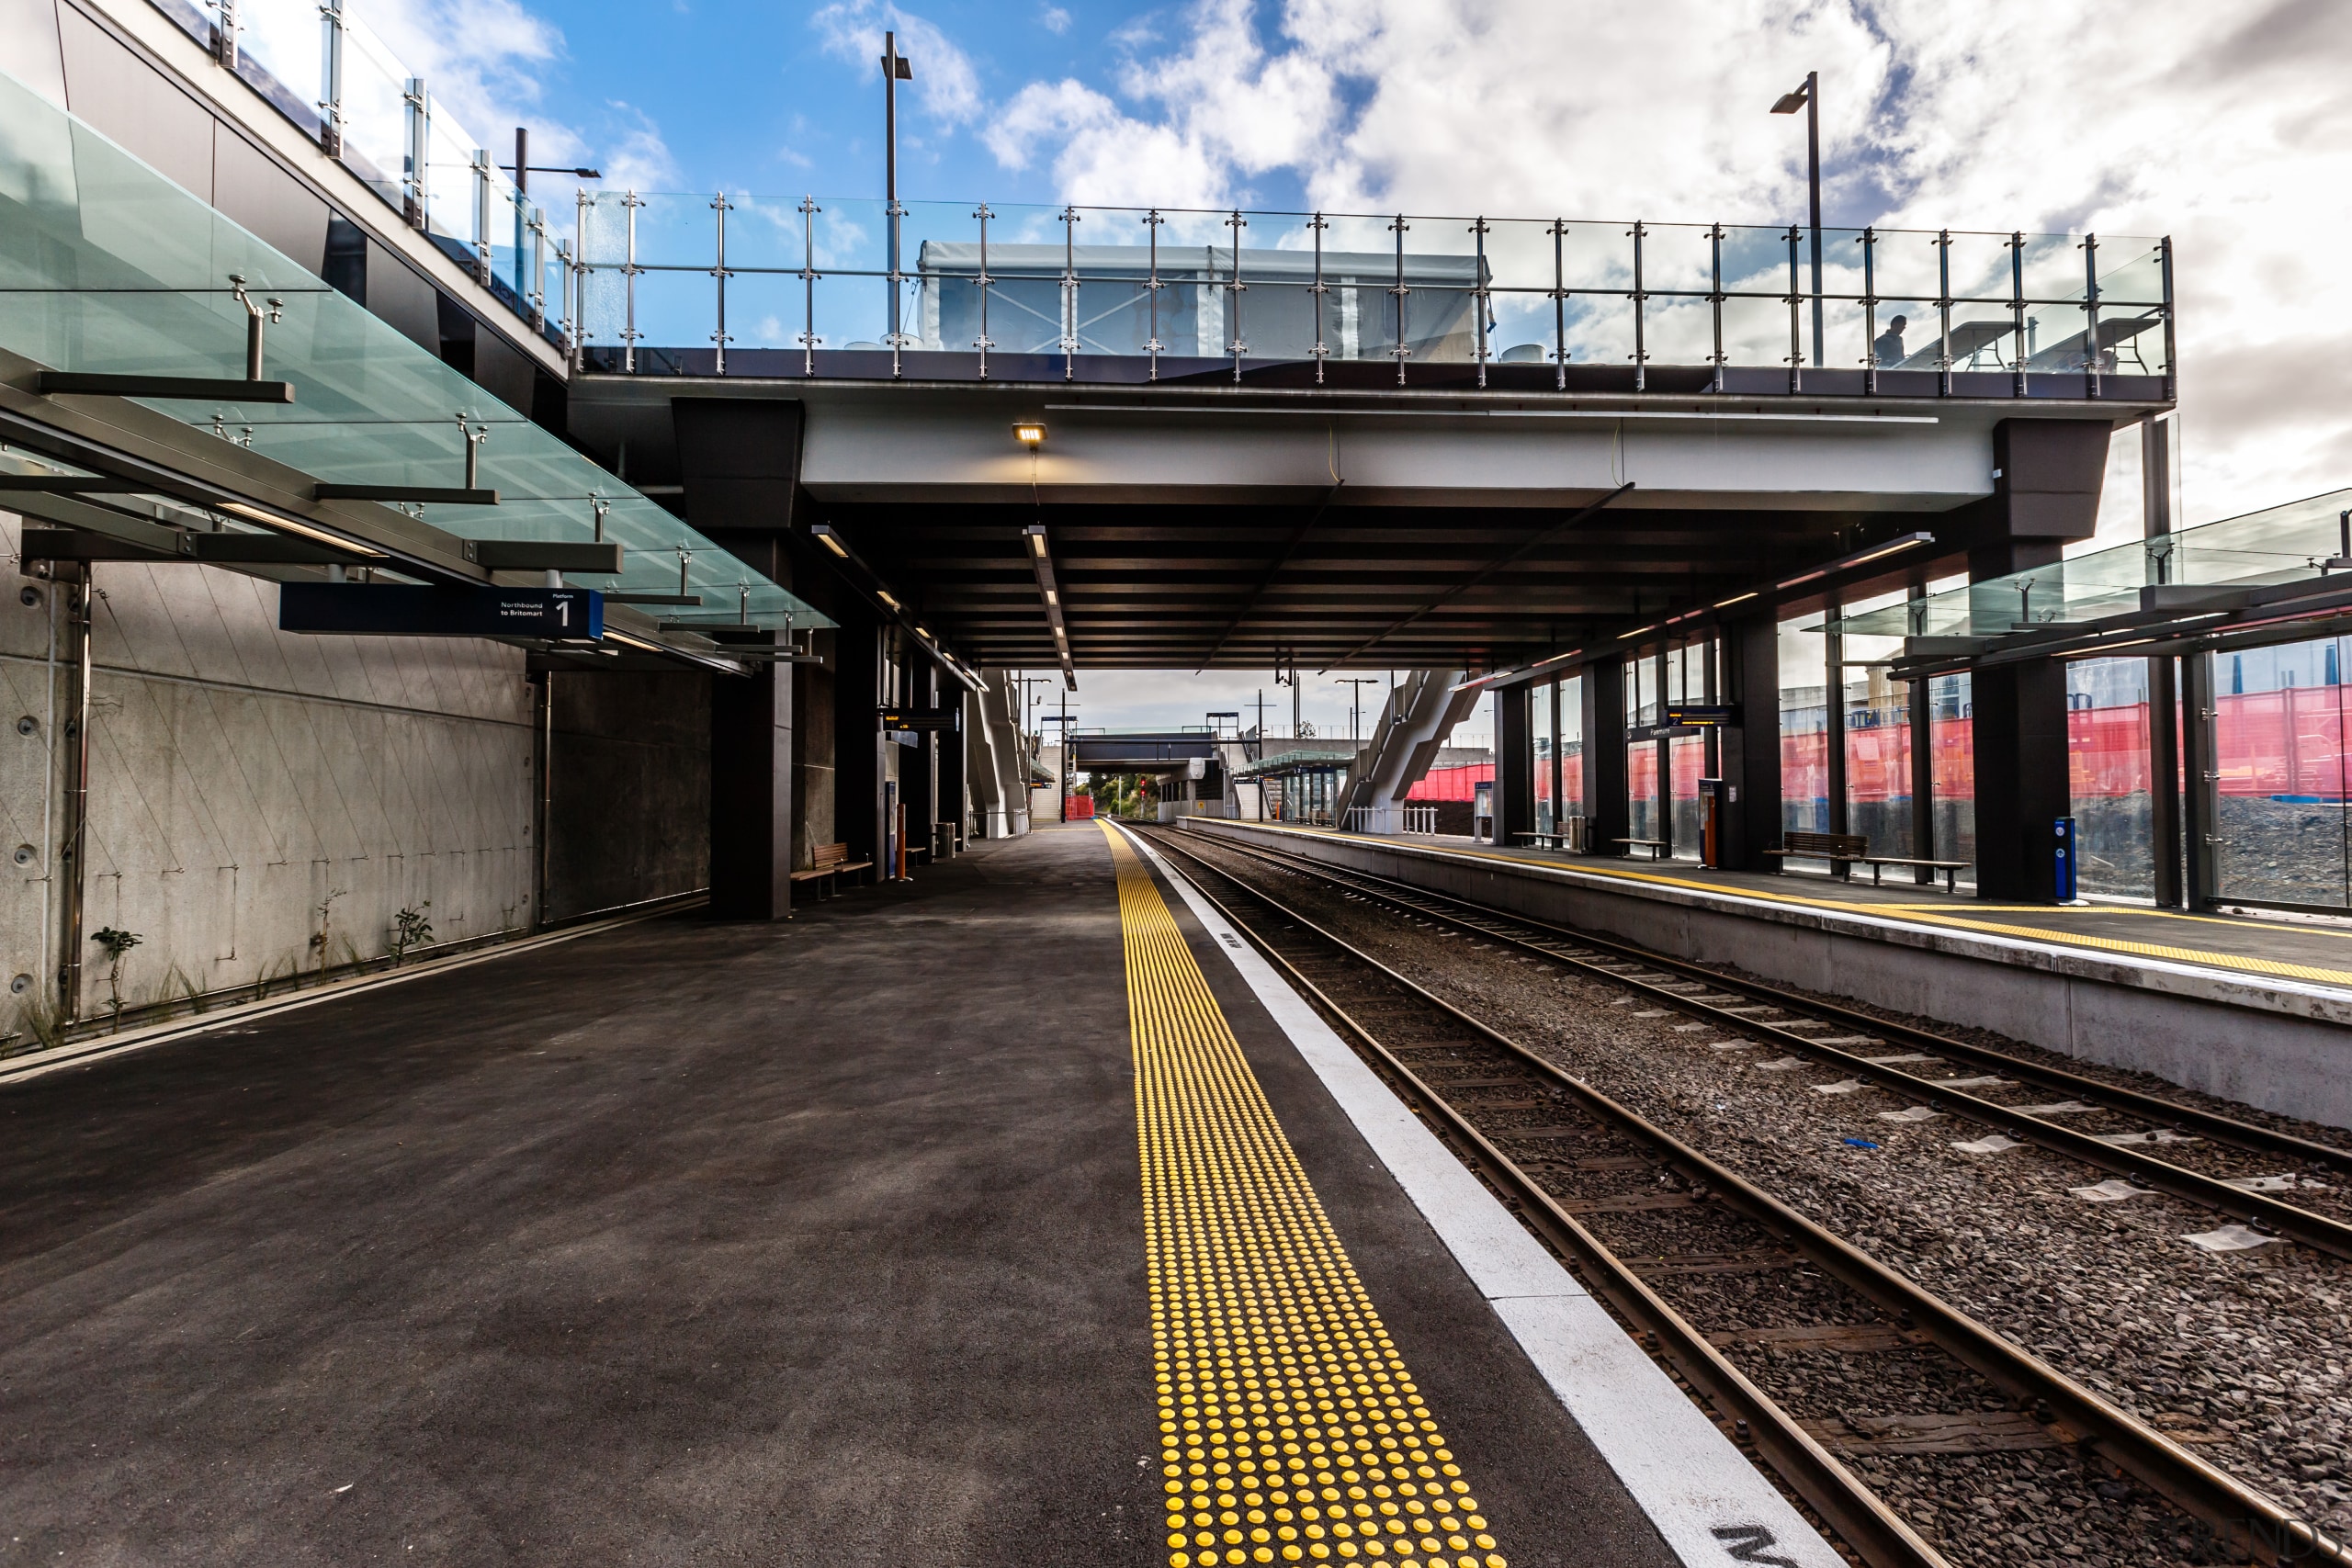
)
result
[(2070, 1412), (2265, 1213)]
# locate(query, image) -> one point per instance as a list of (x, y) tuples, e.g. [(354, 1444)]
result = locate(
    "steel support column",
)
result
[(1752, 749), (1514, 764), (1605, 755)]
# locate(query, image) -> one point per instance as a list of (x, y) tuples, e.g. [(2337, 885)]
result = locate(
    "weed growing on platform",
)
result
[(117, 943), (318, 939), (188, 987), (44, 1023), (411, 930)]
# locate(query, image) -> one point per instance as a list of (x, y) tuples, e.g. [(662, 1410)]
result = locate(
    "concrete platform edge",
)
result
[(2282, 1045), (1680, 1469)]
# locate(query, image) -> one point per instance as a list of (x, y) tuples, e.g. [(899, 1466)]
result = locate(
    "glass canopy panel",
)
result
[(105, 266), (2282, 544)]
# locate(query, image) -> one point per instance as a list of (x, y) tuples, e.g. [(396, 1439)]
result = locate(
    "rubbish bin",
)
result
[(1711, 817)]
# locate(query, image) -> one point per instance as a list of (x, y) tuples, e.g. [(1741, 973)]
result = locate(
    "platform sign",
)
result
[(1704, 715), (385, 609), (912, 718)]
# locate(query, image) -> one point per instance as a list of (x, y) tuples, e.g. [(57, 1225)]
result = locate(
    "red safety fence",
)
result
[(2289, 742), (1453, 784), (1080, 805)]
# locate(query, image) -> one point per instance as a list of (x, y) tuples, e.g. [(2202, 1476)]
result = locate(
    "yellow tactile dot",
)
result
[(1267, 1354)]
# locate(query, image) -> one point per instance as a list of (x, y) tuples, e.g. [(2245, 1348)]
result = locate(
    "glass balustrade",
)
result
[(948, 288)]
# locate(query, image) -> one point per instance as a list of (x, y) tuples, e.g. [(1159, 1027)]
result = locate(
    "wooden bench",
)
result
[(1542, 838), (1950, 868), (1657, 847), (828, 865), (1840, 850)]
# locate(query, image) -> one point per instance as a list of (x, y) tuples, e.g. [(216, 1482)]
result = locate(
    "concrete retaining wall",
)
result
[(2281, 1045)]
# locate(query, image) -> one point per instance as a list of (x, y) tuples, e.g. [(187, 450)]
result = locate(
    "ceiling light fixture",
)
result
[(1030, 433)]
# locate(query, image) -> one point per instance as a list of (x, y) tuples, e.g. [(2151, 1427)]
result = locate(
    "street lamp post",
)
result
[(1808, 98), (897, 68)]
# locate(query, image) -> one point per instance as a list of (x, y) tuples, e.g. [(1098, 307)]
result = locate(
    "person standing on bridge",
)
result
[(1887, 352)]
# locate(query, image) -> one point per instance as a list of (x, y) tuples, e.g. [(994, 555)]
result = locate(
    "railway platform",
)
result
[(2250, 1010), (1008, 1217)]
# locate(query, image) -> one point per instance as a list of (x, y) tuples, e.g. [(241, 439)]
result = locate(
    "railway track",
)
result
[(2257, 1200), (1719, 1278)]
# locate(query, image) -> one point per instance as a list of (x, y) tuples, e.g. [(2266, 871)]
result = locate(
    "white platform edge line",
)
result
[(1681, 1472)]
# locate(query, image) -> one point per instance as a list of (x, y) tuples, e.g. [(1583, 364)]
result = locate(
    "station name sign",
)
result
[(383, 609), (908, 718)]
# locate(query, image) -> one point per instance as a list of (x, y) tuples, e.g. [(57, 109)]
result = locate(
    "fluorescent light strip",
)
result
[(252, 513), (1505, 413)]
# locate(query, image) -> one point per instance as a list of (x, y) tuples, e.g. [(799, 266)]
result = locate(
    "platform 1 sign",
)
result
[(385, 609)]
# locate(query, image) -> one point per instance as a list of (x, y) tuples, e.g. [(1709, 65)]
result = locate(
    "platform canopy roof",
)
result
[(109, 269)]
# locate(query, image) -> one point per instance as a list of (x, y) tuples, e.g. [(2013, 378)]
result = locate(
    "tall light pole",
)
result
[(1808, 98), (1355, 704), (897, 68)]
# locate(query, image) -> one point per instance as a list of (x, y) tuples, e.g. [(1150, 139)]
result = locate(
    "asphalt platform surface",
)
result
[(809, 1244)]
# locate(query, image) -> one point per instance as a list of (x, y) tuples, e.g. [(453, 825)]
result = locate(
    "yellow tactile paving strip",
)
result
[(2204, 957), (1290, 1428)]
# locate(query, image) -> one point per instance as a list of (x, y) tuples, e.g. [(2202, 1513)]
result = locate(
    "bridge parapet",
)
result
[(842, 287)]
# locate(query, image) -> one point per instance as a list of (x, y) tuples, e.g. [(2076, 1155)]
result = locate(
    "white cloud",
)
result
[(1054, 19), (636, 157), (1228, 109), (945, 84)]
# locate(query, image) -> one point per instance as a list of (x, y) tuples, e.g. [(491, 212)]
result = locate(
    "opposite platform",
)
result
[(825, 1242), (2253, 1010)]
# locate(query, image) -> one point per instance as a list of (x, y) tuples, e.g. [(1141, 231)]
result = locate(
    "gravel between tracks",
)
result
[(2243, 1353)]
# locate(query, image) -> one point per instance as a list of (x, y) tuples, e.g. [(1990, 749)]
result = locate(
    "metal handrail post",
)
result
[(2091, 350), (1796, 317), (1943, 311), (1069, 216), (629, 204), (1479, 294), (808, 211), (2172, 383), (481, 216), (331, 77), (1715, 298), (1641, 345), (1559, 305), (2017, 307), (1234, 288), (1399, 291), (418, 115), (719, 208), (1319, 288), (984, 342), (1869, 242)]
